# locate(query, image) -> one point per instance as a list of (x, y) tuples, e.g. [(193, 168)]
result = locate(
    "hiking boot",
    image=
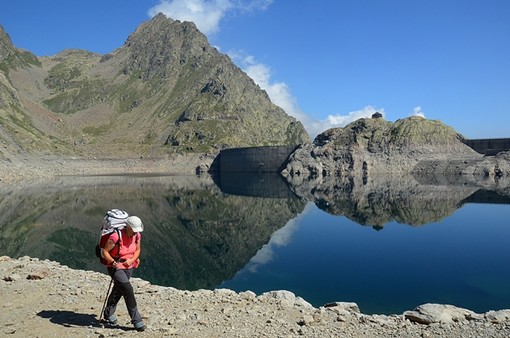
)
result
[(112, 320), (140, 326)]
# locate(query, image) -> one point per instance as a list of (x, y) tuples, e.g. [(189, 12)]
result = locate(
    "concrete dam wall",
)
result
[(254, 171), (271, 159), (490, 146)]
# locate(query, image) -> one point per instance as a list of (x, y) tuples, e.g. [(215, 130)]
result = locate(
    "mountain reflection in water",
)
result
[(205, 233), (195, 237)]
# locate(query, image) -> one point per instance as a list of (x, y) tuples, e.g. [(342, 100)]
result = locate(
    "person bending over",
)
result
[(121, 268)]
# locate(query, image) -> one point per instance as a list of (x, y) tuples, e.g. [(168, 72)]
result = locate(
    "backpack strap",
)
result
[(117, 244)]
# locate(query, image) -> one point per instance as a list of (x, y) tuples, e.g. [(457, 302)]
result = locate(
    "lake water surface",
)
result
[(387, 247), (461, 260)]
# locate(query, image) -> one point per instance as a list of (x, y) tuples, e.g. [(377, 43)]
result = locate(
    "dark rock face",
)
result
[(165, 90)]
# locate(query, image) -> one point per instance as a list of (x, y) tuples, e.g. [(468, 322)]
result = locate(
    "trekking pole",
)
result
[(105, 299)]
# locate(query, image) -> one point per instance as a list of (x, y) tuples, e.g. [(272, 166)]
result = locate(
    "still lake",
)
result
[(388, 245)]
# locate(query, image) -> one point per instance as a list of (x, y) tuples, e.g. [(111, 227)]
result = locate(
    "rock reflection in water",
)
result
[(411, 200), (254, 184)]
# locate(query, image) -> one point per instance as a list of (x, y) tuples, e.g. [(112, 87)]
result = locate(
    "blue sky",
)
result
[(326, 62)]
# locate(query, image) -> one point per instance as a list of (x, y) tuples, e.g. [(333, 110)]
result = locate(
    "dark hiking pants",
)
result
[(122, 288)]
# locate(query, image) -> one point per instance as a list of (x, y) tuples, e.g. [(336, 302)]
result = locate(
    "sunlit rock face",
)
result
[(374, 146)]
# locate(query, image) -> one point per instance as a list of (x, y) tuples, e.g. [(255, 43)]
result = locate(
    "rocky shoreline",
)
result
[(32, 168), (45, 298)]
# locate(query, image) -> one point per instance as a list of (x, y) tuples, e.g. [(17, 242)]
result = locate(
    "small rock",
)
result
[(41, 274), (498, 316), (341, 319), (348, 306), (12, 278), (306, 320), (249, 295)]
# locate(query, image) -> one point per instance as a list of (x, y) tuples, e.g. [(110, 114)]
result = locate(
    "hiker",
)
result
[(121, 269)]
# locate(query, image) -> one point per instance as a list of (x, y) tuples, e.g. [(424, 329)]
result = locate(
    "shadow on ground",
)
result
[(71, 319)]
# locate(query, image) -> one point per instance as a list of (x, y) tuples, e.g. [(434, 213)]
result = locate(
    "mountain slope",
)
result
[(165, 90)]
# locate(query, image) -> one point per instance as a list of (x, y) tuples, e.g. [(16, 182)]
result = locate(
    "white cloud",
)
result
[(337, 121), (342, 120), (279, 93), (206, 14), (250, 5), (280, 238), (418, 112)]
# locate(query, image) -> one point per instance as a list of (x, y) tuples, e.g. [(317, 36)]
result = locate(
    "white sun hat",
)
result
[(135, 223)]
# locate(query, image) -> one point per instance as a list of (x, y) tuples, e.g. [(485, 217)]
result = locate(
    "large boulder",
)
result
[(440, 313)]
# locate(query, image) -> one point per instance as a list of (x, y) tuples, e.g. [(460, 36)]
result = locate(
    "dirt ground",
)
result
[(45, 299)]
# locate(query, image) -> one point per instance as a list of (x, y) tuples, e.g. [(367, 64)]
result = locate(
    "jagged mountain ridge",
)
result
[(165, 90)]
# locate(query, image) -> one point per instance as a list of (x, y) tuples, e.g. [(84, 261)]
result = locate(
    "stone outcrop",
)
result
[(439, 313), (374, 146)]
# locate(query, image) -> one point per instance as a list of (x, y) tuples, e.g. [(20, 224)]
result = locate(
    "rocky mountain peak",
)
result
[(161, 43), (355, 132), (165, 90), (421, 131)]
